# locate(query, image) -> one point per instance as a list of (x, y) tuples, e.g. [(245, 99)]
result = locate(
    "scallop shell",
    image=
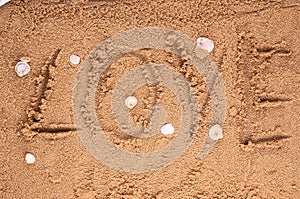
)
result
[(167, 129), (205, 43), (22, 69), (74, 59), (131, 102), (29, 158), (215, 132)]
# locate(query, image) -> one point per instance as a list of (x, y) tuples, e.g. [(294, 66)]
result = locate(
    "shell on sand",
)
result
[(131, 102), (22, 68), (215, 132), (74, 59), (29, 158), (205, 43), (167, 129)]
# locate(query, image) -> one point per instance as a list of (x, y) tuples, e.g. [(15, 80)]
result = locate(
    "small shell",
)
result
[(29, 158), (74, 59), (131, 102), (205, 43), (2, 2), (25, 59), (167, 129), (22, 69), (215, 132)]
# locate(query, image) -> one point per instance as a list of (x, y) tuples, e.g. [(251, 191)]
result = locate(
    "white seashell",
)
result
[(29, 158), (215, 132), (131, 102), (22, 68), (74, 59), (2, 2), (167, 129), (205, 43)]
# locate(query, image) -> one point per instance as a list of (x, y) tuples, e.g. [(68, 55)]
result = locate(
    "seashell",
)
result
[(167, 129), (2, 2), (215, 132), (74, 59), (131, 102), (205, 43), (29, 158), (25, 59), (22, 69)]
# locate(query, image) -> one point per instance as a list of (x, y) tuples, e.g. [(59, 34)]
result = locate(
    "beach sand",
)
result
[(257, 55)]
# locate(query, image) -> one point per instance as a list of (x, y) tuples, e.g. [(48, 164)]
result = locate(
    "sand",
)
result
[(256, 53)]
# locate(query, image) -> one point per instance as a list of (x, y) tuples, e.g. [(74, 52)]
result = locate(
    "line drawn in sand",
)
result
[(35, 124)]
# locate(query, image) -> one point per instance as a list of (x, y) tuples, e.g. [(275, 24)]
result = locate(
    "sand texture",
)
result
[(256, 57)]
